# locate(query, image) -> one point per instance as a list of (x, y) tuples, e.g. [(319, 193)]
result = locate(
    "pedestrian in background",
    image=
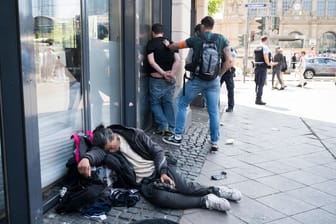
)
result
[(163, 68), (209, 88), (228, 78), (301, 69), (262, 56), (278, 61)]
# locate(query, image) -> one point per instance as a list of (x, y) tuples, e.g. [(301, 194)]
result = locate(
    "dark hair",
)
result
[(101, 136), (197, 28), (157, 28), (208, 22), (264, 38)]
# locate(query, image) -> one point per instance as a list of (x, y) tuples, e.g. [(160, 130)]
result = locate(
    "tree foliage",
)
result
[(213, 6)]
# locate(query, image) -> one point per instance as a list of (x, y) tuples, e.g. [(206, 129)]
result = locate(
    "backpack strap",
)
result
[(213, 37), (89, 134), (76, 139)]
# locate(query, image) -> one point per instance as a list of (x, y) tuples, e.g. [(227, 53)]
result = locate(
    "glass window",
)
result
[(57, 62), (143, 34), (104, 32), (286, 5), (2, 191), (273, 10), (321, 7), (331, 9), (328, 42), (307, 5)]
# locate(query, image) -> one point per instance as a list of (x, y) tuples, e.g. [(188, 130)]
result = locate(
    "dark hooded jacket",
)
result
[(141, 144)]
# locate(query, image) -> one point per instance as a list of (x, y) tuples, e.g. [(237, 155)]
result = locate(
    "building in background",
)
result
[(291, 24)]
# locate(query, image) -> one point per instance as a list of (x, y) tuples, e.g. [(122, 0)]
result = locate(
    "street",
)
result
[(314, 101)]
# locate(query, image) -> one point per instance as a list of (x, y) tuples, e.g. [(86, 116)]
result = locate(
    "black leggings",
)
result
[(188, 195)]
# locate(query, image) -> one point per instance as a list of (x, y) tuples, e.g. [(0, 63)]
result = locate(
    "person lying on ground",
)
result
[(138, 162)]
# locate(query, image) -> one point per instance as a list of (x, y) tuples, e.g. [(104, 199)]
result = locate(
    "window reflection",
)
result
[(58, 81), (2, 191), (104, 31)]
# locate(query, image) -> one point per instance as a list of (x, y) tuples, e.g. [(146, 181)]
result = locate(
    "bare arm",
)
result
[(266, 58), (176, 64)]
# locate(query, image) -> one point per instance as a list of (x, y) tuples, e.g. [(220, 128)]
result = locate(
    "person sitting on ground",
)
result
[(138, 162)]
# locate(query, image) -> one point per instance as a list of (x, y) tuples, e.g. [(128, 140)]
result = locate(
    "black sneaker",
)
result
[(214, 148), (159, 132), (259, 102), (305, 83), (168, 133), (172, 140), (229, 110)]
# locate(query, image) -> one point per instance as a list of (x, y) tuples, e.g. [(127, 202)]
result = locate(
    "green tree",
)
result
[(213, 6)]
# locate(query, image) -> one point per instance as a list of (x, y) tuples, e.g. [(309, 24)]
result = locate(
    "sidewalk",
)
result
[(283, 164)]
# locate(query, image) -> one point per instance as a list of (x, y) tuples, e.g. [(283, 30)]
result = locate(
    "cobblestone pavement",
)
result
[(190, 163)]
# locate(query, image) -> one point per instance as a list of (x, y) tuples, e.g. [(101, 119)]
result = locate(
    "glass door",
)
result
[(3, 216), (57, 62), (105, 79)]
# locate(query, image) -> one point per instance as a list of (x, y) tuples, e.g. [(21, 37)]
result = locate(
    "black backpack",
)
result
[(208, 61), (77, 191)]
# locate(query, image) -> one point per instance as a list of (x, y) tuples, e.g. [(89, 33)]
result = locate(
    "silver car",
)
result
[(320, 66)]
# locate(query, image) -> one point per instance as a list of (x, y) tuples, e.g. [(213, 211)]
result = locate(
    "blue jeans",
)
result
[(260, 78), (161, 100), (211, 91)]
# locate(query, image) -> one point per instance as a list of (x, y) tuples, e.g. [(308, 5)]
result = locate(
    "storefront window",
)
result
[(104, 32), (2, 191), (143, 22), (57, 58)]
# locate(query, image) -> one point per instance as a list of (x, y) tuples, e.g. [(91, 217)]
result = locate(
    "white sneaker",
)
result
[(213, 202), (229, 193)]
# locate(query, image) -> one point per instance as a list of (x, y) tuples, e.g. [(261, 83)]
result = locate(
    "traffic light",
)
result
[(275, 23), (261, 27), (241, 39)]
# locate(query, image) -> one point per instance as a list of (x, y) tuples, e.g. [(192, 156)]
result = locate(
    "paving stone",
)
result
[(285, 221), (280, 183), (285, 204), (304, 177), (313, 196), (254, 212), (254, 189), (330, 208), (327, 187), (252, 172), (316, 216), (276, 167), (322, 171)]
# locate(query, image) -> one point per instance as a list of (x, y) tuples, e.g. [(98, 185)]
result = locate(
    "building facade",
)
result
[(294, 25), (313, 21)]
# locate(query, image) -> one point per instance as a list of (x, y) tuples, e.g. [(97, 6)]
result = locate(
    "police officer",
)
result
[(262, 57)]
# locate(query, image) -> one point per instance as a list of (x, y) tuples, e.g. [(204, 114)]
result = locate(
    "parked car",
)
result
[(320, 66)]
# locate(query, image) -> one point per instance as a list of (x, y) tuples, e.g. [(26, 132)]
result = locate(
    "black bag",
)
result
[(74, 197), (77, 191), (284, 64), (121, 197)]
